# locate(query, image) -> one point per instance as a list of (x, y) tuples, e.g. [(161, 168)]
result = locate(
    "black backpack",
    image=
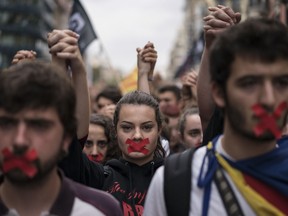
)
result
[(177, 186), (177, 183)]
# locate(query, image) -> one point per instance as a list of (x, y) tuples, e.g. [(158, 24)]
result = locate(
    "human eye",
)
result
[(194, 133), (281, 82), (147, 127), (102, 144), (7, 123), (248, 82), (100, 106), (88, 143), (167, 100), (39, 124), (126, 128)]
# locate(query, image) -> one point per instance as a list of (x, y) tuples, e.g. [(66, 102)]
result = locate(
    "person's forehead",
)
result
[(193, 120), (32, 113), (95, 127), (136, 112), (96, 131), (167, 94), (104, 100), (136, 107), (246, 67)]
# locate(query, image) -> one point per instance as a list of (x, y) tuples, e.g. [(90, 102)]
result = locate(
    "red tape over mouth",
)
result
[(21, 162), (137, 146), (97, 158), (268, 122)]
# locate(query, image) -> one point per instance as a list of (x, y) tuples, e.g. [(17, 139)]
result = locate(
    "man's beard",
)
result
[(18, 177), (238, 123)]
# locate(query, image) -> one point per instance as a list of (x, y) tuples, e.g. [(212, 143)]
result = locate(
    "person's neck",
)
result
[(240, 147), (31, 199)]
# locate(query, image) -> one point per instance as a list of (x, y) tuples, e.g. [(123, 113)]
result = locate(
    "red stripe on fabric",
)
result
[(267, 192)]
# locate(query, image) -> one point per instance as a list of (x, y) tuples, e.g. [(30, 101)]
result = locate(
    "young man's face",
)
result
[(102, 103), (32, 130), (168, 102), (252, 82)]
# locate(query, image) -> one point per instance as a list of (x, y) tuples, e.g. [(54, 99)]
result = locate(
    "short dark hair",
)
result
[(141, 98), (39, 85), (112, 93), (170, 88), (258, 39)]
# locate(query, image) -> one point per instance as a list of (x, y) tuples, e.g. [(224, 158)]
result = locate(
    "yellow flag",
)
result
[(129, 83)]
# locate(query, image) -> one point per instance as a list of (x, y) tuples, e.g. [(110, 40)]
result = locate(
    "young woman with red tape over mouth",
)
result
[(138, 125)]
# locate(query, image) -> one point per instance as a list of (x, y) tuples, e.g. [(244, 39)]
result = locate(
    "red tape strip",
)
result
[(268, 122), (97, 158), (138, 146), (22, 162)]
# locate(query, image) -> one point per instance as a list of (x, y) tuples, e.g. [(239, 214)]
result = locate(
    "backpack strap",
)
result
[(177, 182), (227, 194)]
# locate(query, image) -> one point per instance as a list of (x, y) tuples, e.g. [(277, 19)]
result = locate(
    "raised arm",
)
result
[(188, 90), (218, 20), (65, 52), (146, 60)]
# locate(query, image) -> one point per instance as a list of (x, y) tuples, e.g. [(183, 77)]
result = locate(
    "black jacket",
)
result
[(126, 181)]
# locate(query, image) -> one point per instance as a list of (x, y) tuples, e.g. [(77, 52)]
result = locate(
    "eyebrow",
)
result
[(28, 120), (127, 122), (195, 129)]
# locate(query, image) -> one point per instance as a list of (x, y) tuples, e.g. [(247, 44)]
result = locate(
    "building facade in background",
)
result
[(188, 48), (25, 24)]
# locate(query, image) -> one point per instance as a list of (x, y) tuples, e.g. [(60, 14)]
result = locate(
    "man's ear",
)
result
[(66, 142), (218, 95)]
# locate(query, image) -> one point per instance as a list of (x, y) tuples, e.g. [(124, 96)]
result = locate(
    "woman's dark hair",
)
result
[(112, 93), (106, 123)]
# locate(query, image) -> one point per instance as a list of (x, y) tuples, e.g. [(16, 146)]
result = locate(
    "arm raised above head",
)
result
[(147, 57), (65, 52), (217, 21)]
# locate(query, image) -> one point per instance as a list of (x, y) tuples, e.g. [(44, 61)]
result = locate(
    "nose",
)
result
[(94, 150), (21, 138), (137, 135), (268, 95)]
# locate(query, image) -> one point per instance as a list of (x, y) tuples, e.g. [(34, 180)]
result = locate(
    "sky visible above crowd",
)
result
[(124, 25)]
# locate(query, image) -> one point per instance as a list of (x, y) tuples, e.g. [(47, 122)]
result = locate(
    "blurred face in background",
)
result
[(97, 143), (102, 103), (192, 134), (105, 107), (168, 103)]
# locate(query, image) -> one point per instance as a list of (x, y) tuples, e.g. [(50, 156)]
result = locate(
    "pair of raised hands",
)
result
[(63, 47)]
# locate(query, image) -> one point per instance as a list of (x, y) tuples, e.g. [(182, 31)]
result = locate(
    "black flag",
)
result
[(79, 22)]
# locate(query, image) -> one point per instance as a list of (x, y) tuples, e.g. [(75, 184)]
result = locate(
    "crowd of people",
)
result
[(65, 153)]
